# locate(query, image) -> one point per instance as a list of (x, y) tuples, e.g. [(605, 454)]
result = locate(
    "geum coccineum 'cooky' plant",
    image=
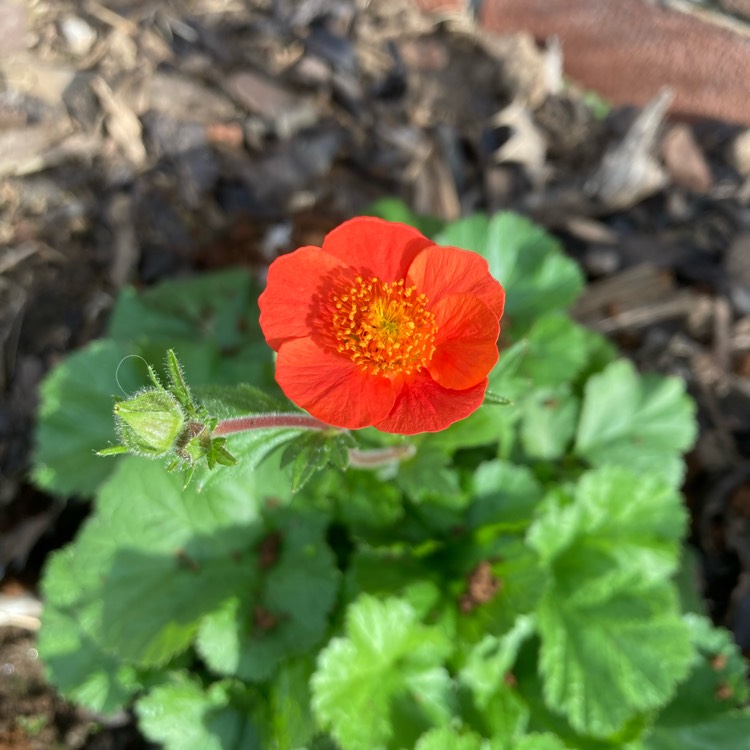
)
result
[(407, 563), (382, 327)]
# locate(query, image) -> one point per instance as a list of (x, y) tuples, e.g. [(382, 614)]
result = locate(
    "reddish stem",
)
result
[(268, 421), (363, 459), (371, 459)]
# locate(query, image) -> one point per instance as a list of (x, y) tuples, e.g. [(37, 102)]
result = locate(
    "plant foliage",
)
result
[(505, 584)]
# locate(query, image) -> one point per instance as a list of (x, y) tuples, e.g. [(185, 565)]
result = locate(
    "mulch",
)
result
[(148, 140)]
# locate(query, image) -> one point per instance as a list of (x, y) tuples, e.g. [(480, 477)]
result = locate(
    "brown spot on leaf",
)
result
[(268, 550), (185, 561), (482, 587), (724, 691), (263, 619)]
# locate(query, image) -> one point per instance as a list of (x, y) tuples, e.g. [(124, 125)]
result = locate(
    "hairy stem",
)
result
[(268, 421), (359, 459), (371, 459)]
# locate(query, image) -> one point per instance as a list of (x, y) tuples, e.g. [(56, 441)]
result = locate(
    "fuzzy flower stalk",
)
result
[(382, 327)]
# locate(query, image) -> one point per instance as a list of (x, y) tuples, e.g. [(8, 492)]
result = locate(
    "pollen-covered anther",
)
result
[(385, 327)]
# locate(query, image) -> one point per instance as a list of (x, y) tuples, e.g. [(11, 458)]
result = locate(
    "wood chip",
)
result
[(126, 250), (13, 21), (630, 289), (435, 192), (629, 172), (13, 256), (22, 151), (684, 159), (260, 95), (122, 123), (525, 145), (185, 98), (678, 306)]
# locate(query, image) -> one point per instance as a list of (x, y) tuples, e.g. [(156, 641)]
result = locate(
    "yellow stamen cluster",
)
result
[(384, 326)]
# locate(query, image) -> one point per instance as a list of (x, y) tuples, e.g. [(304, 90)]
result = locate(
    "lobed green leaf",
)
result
[(384, 681), (620, 530), (604, 662), (75, 417), (446, 738), (283, 612), (183, 715), (641, 422)]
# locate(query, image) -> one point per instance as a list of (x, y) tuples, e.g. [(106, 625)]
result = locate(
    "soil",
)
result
[(142, 140)]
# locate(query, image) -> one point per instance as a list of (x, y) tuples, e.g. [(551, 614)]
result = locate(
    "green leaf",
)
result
[(718, 651), (214, 306), (226, 401), (613, 643), (253, 452), (384, 681), (488, 674), (182, 715), (604, 662), (429, 475), (505, 496), (75, 417), (290, 716), (154, 559), (210, 321), (285, 612), (312, 452), (622, 530), (445, 738), (727, 731), (384, 572), (490, 660), (643, 423), (704, 713), (529, 689), (486, 425), (537, 276), (393, 209), (363, 502), (548, 422), (536, 741), (80, 669), (522, 582), (558, 349), (600, 352)]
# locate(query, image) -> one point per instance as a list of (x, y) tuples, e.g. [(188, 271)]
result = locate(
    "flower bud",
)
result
[(150, 423)]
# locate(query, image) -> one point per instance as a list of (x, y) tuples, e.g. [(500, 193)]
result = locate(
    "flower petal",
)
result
[(422, 405), (438, 271), (376, 247), (293, 281), (466, 341), (331, 388)]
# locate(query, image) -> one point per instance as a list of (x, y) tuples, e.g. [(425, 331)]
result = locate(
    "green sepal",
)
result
[(312, 452), (113, 450), (494, 399), (217, 454), (178, 386)]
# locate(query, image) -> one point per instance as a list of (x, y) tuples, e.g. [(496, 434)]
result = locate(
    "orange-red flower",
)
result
[(381, 327)]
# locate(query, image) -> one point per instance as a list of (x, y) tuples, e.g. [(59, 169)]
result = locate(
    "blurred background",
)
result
[(142, 140)]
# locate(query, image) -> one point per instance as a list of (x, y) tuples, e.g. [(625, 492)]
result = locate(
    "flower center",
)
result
[(384, 326)]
